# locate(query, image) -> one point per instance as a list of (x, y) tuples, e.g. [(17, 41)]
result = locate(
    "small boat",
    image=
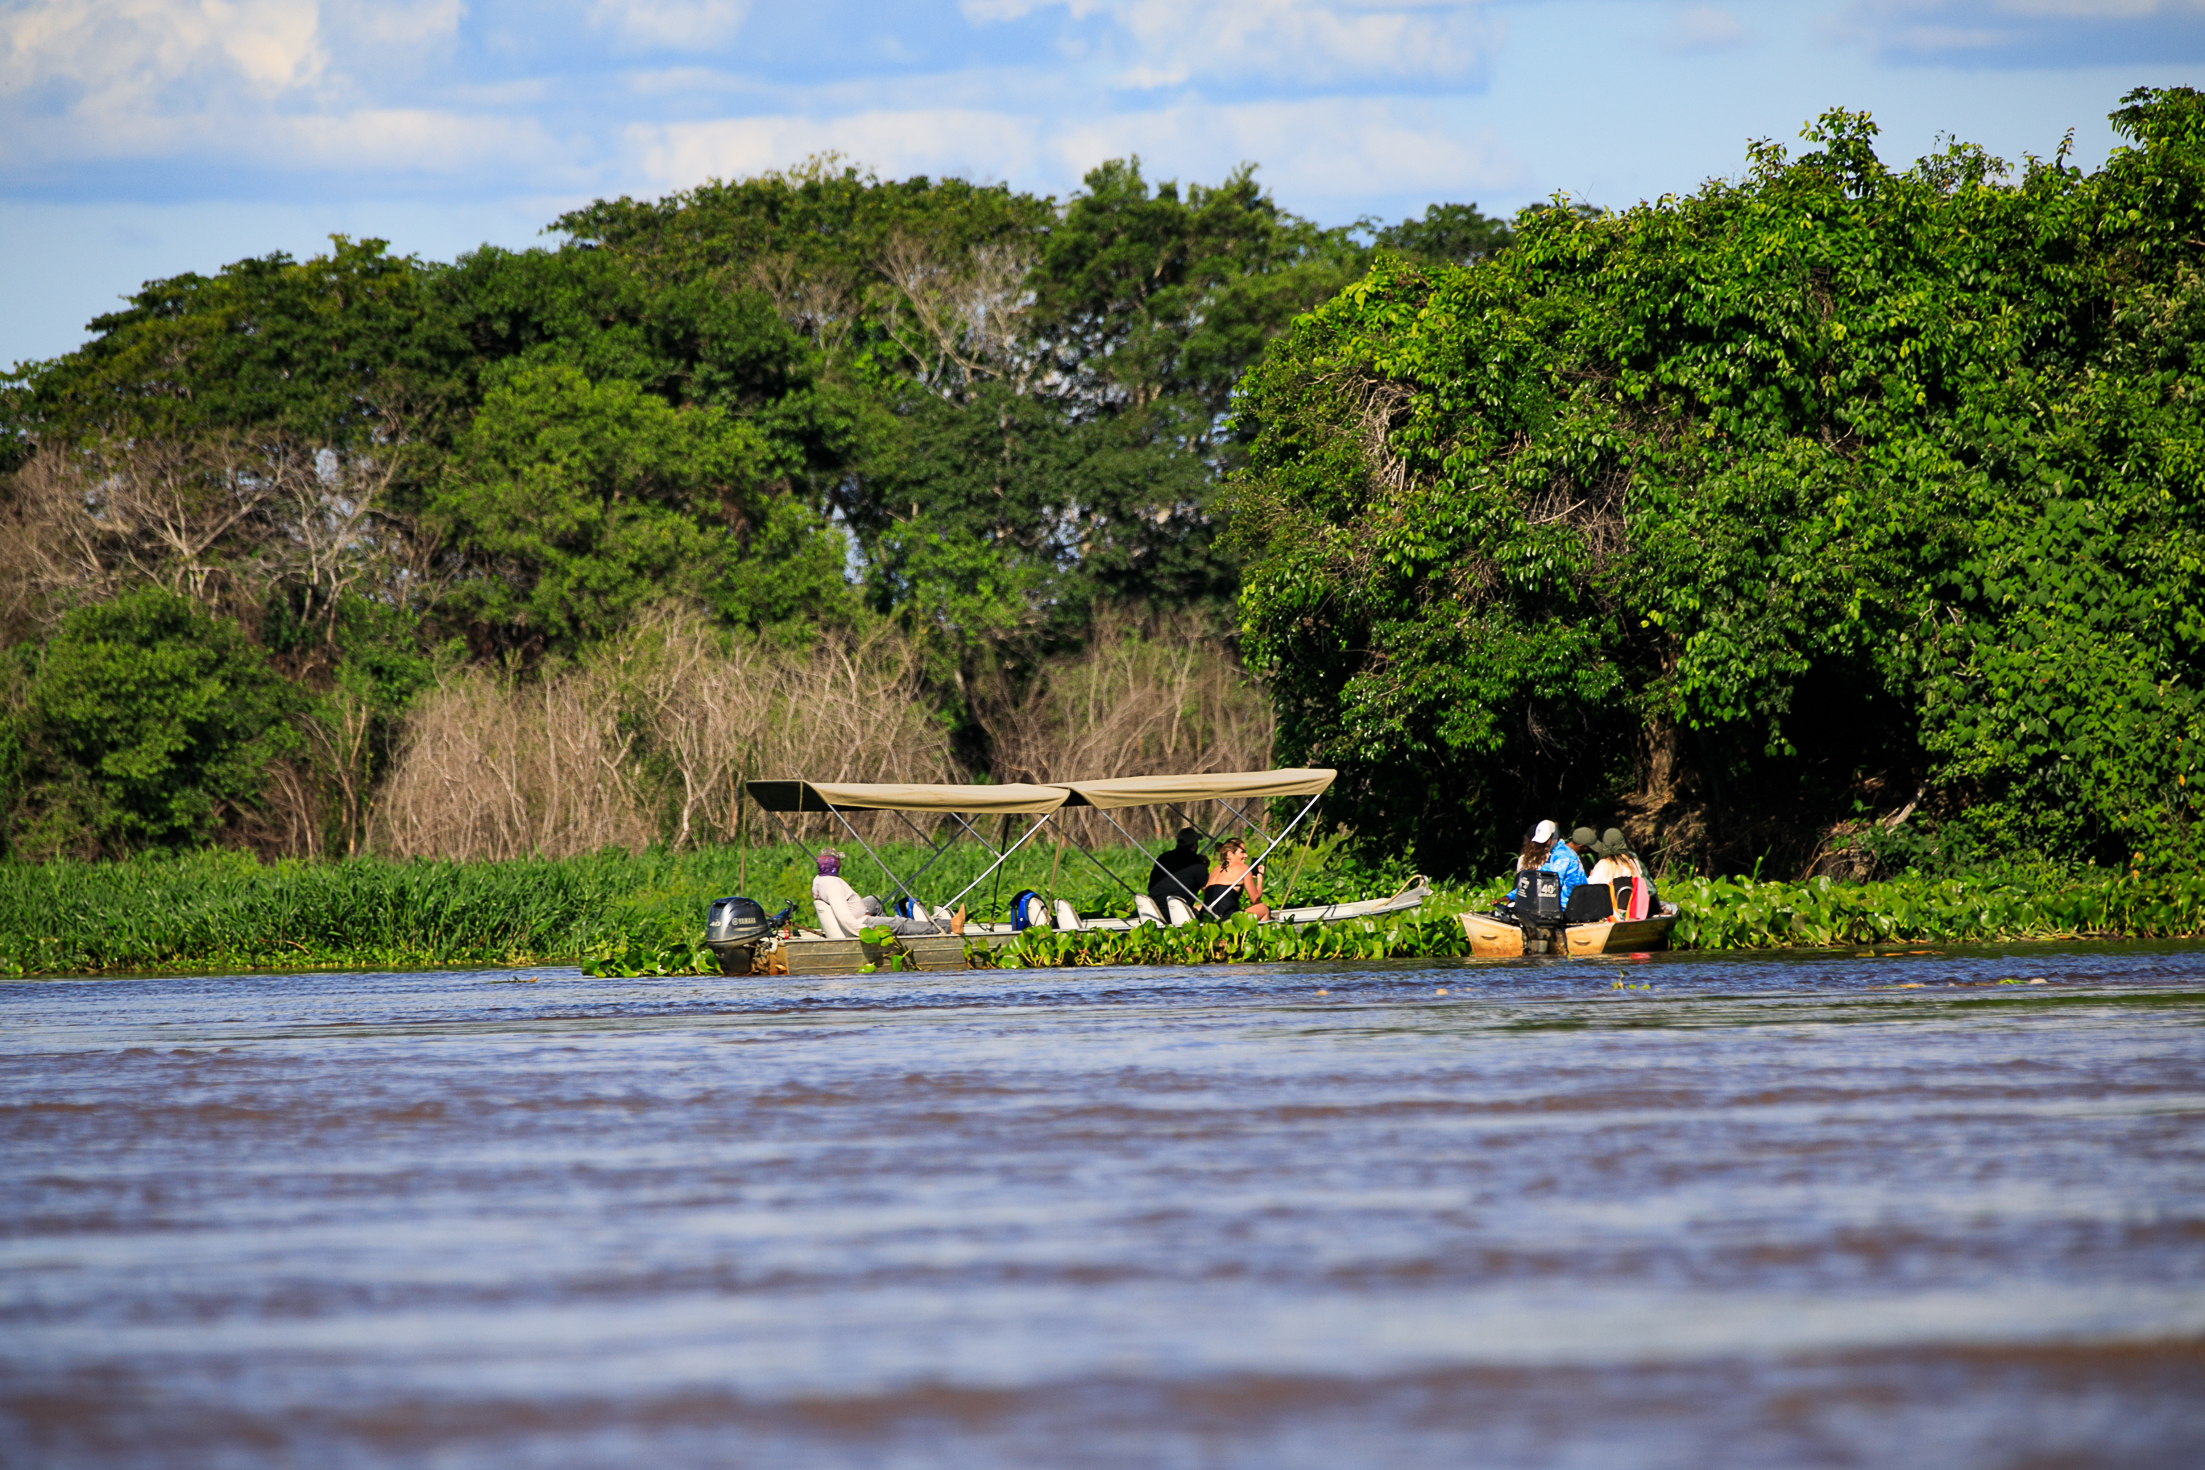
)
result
[(747, 941), (1495, 938), (1540, 927)]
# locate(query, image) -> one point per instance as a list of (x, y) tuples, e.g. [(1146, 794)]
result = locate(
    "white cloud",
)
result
[(1704, 28), (1333, 148), (1320, 42), (400, 22), (267, 83), (1323, 149), (661, 24), (2030, 33), (921, 141), (118, 49)]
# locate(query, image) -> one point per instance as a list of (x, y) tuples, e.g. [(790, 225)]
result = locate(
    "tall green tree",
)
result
[(574, 503), (1759, 511)]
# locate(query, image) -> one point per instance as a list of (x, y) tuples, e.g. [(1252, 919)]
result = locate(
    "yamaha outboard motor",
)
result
[(733, 927)]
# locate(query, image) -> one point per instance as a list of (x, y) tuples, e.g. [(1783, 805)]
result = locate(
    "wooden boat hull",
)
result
[(809, 954), (1492, 938), (1623, 936), (812, 954)]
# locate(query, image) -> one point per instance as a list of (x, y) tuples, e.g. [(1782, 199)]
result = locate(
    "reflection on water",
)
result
[(1758, 1213)]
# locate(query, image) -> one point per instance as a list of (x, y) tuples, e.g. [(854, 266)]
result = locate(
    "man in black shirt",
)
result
[(1180, 872)]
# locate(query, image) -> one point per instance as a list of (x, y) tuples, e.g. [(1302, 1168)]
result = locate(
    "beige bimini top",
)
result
[(820, 796), (1216, 786), (1123, 791)]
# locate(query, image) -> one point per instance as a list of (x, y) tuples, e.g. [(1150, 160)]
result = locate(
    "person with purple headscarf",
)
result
[(833, 895)]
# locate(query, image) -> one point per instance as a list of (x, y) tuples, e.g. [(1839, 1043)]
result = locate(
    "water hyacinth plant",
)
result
[(614, 914)]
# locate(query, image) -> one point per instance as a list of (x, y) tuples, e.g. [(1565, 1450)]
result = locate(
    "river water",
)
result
[(1807, 1211)]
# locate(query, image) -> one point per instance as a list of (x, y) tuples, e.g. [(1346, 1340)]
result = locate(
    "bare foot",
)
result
[(957, 921)]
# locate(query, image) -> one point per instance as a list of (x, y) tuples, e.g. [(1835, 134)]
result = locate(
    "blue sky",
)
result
[(142, 138)]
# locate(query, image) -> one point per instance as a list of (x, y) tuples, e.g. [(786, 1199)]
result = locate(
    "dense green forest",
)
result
[(1842, 517), (929, 433), (1839, 516)]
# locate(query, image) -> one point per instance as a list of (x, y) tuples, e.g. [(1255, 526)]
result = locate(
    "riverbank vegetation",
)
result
[(1841, 497), (1843, 519), (617, 913), (811, 473), (227, 910)]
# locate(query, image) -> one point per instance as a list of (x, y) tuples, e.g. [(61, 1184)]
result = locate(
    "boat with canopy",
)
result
[(746, 941)]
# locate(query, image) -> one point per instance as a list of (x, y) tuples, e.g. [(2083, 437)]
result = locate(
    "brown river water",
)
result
[(1760, 1212)]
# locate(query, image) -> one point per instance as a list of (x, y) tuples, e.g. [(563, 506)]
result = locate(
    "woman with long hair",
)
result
[(1538, 842), (1234, 885)]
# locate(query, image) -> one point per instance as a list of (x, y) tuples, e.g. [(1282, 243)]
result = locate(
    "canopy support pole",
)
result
[(1192, 897), (876, 857), (940, 849), (1004, 855), (791, 836), (1098, 862), (1290, 826)]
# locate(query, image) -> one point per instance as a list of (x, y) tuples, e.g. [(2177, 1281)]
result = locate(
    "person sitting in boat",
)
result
[(1547, 852), (1616, 860), (1586, 902), (1179, 873), (832, 892), (1234, 885)]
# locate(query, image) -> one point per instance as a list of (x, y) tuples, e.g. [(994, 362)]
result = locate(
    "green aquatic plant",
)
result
[(1738, 913), (1427, 933), (616, 914)]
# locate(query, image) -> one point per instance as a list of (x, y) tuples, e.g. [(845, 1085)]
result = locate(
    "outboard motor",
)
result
[(1545, 898), (733, 927), (1535, 906)]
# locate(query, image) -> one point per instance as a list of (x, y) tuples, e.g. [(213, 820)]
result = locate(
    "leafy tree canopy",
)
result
[(575, 503), (1759, 509), (148, 723)]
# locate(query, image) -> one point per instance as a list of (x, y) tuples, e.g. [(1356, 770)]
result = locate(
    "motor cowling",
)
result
[(736, 920)]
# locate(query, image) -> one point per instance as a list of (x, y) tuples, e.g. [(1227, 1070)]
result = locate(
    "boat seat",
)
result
[(1182, 912), (1068, 918), (830, 923), (1145, 910), (1590, 903)]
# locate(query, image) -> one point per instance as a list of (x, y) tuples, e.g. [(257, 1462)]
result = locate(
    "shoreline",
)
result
[(617, 914)]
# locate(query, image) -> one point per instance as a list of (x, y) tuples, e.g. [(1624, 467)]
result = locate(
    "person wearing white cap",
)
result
[(1543, 850)]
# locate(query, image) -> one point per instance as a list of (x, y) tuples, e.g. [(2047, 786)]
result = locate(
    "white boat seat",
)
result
[(1068, 918), (830, 922), (1145, 910), (1182, 913)]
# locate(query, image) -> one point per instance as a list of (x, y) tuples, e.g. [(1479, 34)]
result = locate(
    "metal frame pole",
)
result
[(1004, 856), (860, 841), (1192, 896)]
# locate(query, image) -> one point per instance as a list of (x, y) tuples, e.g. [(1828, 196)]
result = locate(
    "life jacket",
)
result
[(1025, 909)]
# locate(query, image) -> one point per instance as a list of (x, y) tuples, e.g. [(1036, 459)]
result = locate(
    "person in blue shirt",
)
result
[(1563, 860)]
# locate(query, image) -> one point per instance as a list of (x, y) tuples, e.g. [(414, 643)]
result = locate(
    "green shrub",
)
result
[(145, 723)]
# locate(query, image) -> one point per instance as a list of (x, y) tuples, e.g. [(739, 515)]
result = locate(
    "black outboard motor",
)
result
[(733, 927), (1535, 906)]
